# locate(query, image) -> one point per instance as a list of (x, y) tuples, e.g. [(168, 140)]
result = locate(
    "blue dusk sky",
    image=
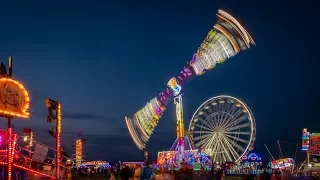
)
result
[(104, 60)]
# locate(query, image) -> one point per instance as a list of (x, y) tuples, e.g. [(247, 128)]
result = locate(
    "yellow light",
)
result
[(59, 118), (79, 150), (31, 139), (25, 138)]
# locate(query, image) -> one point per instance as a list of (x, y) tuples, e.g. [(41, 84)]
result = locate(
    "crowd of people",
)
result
[(185, 172)]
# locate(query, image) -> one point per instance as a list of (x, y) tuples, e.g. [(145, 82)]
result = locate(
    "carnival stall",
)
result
[(95, 164), (281, 163), (131, 164), (252, 160), (197, 159), (249, 164)]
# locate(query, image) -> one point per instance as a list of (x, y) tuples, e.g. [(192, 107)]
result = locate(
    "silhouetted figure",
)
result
[(286, 175), (265, 175), (184, 173), (125, 173), (146, 172), (219, 174)]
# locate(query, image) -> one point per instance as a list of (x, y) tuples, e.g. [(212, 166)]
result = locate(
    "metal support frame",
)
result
[(10, 134), (180, 124)]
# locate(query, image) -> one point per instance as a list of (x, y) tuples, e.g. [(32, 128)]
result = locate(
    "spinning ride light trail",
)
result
[(224, 40)]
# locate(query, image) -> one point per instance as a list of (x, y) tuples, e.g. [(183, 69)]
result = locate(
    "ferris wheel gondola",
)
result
[(226, 126)]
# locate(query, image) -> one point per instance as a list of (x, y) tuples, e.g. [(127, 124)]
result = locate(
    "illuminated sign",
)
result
[(173, 84), (14, 98), (95, 163), (189, 156), (314, 143), (305, 140), (251, 157)]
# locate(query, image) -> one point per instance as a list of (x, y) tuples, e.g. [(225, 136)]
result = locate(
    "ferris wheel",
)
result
[(225, 126)]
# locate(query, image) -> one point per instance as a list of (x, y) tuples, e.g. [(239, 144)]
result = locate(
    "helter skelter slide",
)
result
[(224, 40)]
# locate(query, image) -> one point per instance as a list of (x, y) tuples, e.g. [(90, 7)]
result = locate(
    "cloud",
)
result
[(106, 134), (75, 115), (86, 116)]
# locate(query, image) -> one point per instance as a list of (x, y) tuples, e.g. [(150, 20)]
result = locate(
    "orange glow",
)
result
[(25, 104)]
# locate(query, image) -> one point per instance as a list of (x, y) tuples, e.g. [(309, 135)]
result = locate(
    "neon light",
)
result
[(305, 140), (174, 86), (251, 157)]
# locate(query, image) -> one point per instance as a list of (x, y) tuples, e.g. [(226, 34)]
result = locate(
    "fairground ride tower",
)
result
[(183, 141), (78, 148)]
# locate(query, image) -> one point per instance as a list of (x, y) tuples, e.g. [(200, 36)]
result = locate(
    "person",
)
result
[(112, 176), (184, 173), (137, 172), (164, 175), (286, 175), (219, 174), (125, 173), (273, 176), (265, 175), (146, 172)]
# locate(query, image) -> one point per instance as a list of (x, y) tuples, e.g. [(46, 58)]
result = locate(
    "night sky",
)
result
[(104, 60)]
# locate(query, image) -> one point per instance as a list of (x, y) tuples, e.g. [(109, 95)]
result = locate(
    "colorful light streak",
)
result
[(224, 40)]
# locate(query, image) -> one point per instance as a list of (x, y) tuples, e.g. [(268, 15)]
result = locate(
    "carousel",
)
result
[(249, 164)]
